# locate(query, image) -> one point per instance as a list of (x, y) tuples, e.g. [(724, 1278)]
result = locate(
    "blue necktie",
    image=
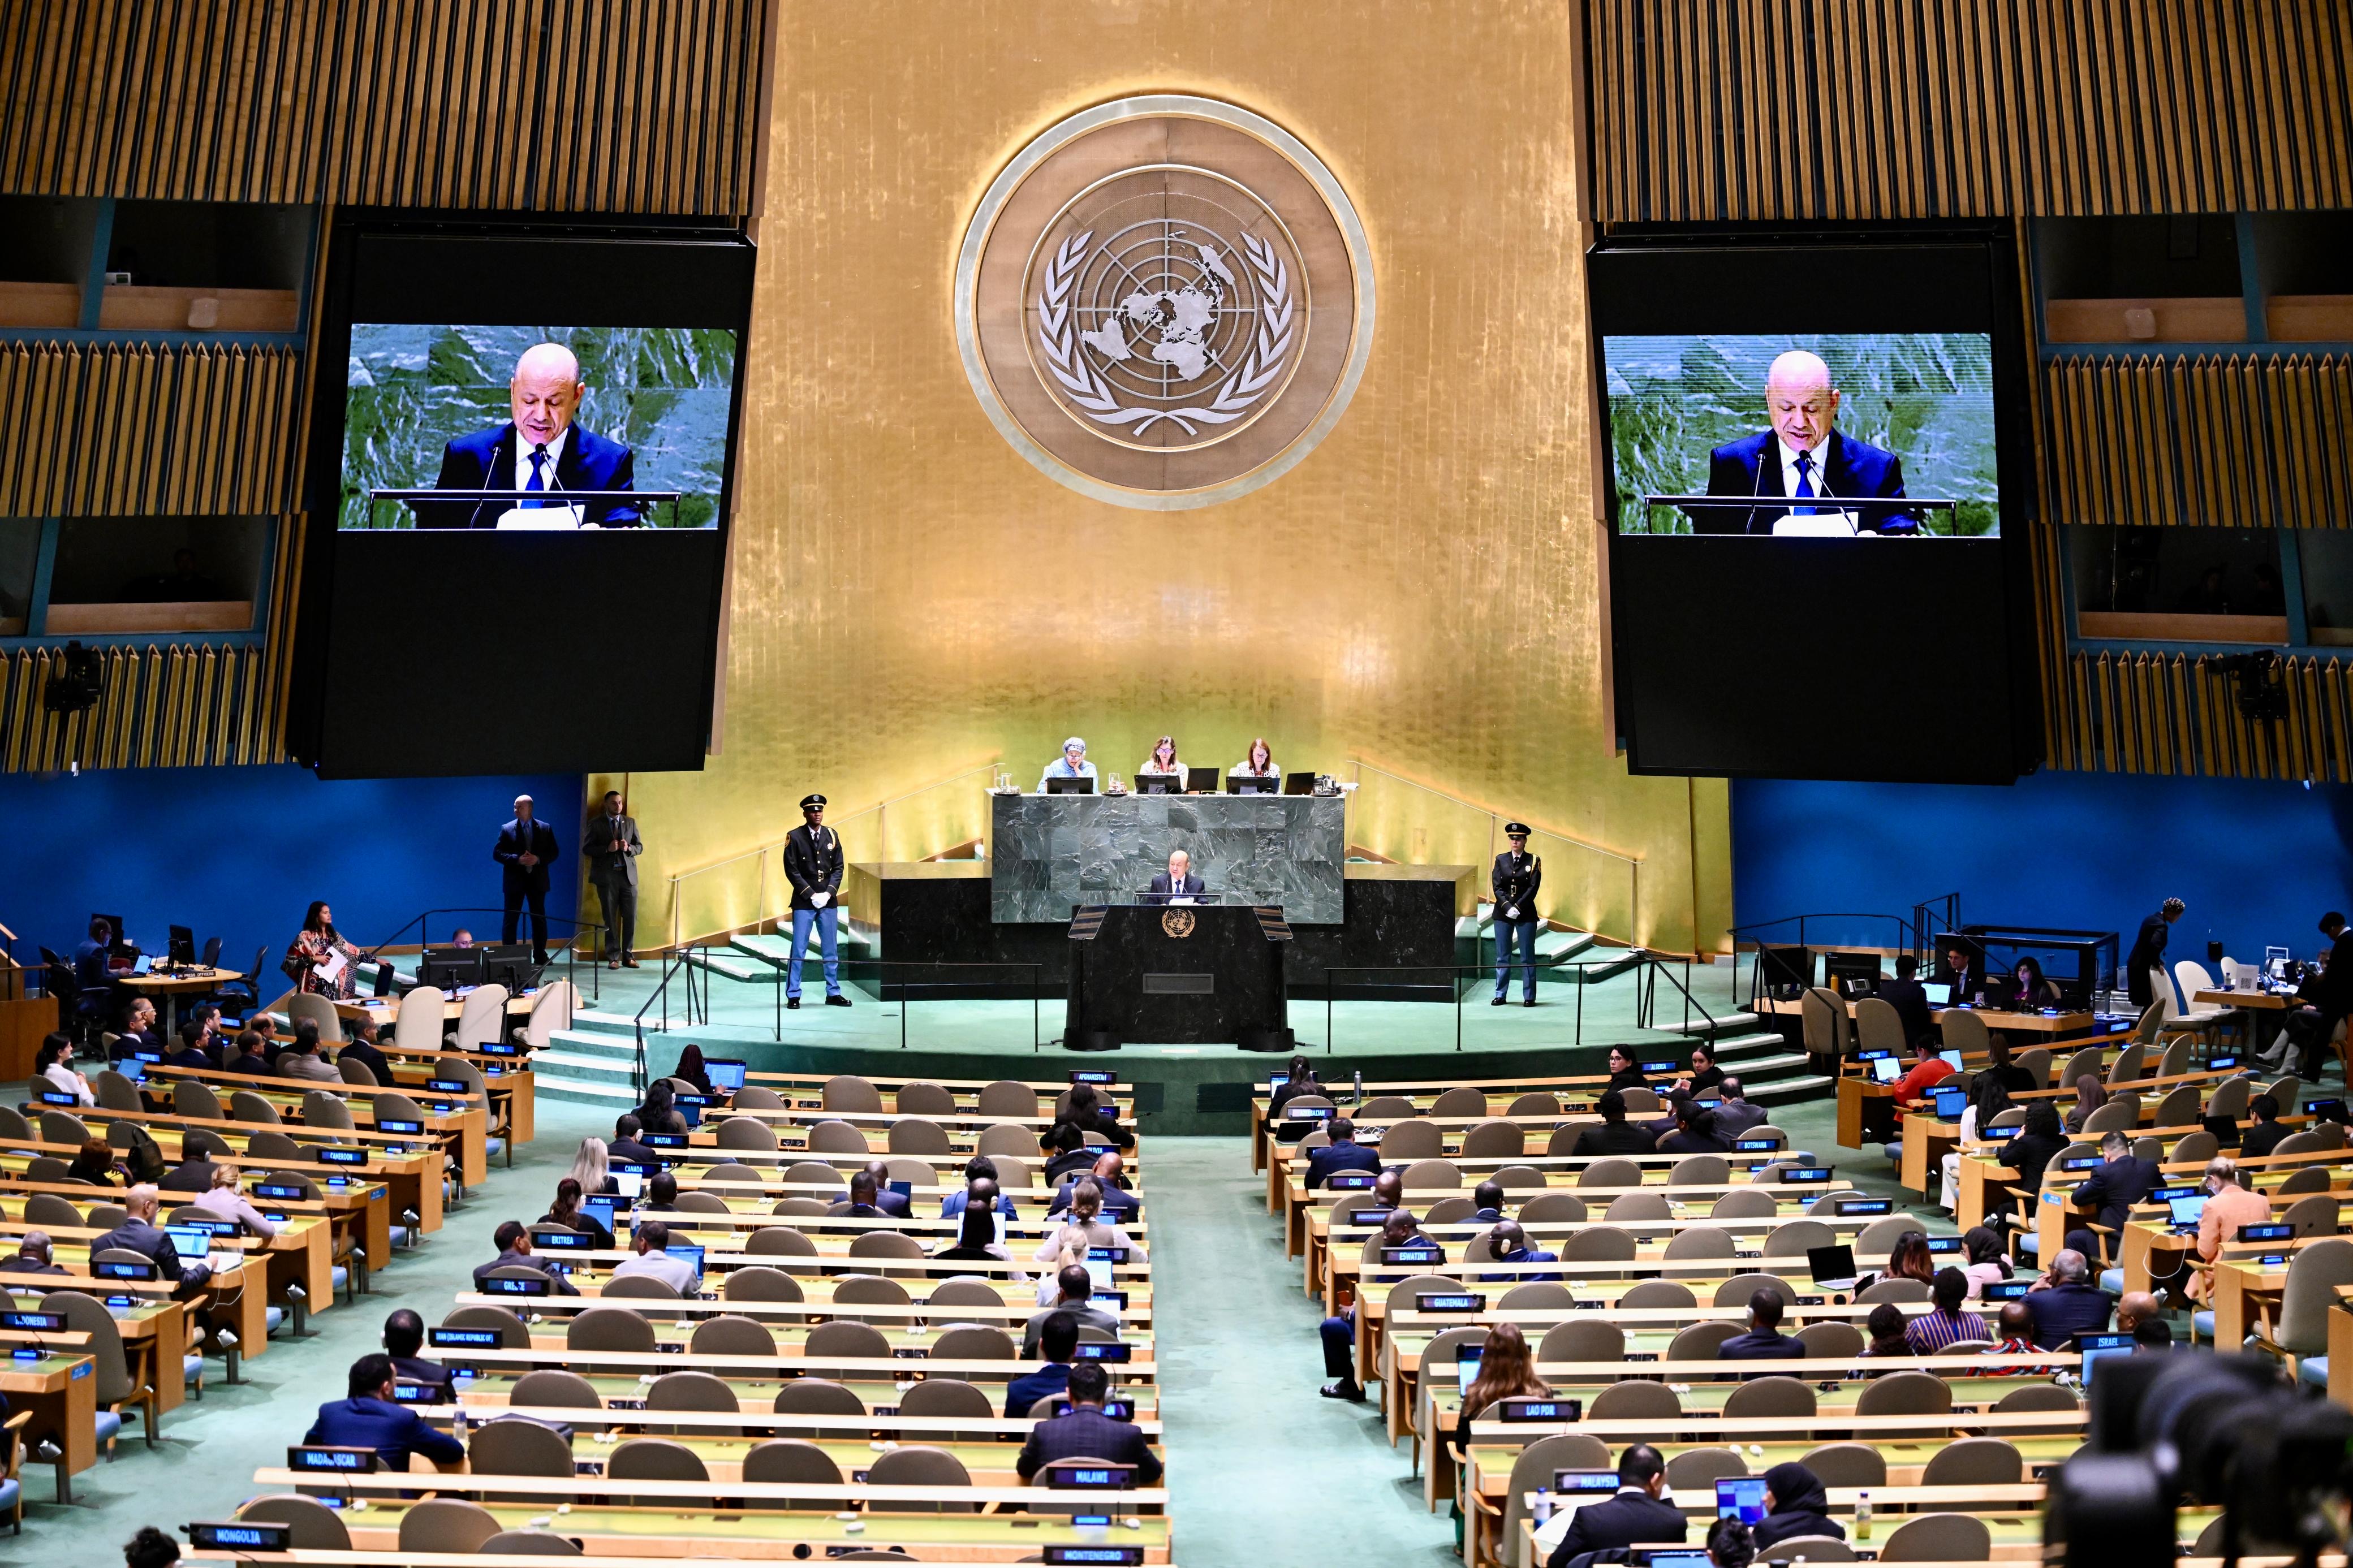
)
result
[(1805, 484), (539, 456)]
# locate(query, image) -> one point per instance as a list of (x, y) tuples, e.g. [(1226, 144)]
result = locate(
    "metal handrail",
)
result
[(1645, 959), (1495, 820), (881, 966), (1912, 934), (879, 810)]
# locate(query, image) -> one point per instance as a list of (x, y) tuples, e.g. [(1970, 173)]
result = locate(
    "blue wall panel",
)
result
[(239, 853), (2257, 862)]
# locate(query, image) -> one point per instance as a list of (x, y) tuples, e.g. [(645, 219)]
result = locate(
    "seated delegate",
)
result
[(369, 1419), (1163, 762), (1258, 764), (1072, 764)]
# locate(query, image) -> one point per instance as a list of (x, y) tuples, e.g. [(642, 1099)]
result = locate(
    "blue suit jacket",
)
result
[(1088, 1433), (2065, 1310), (393, 1431), (1321, 1162), (1026, 1390), (1752, 467), (485, 460)]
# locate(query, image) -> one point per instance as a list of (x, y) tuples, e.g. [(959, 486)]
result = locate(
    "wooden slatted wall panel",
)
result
[(140, 429), (638, 106), (164, 706), (2228, 441), (1853, 109), (2179, 713)]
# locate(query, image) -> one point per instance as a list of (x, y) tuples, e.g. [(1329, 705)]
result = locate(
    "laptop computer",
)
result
[(1833, 1266), (1885, 1069), (1741, 1498), (1949, 1103), (2185, 1212), (1299, 783), (689, 1255), (727, 1075), (1940, 993)]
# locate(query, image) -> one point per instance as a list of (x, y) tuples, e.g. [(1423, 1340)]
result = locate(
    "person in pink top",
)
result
[(2229, 1205)]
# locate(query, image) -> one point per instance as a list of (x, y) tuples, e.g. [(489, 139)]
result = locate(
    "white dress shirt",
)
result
[(547, 469), (63, 1076), (1814, 461)]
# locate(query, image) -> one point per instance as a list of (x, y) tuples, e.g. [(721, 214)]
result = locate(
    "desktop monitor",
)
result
[(449, 968), (1070, 786), (1835, 1262), (1246, 784), (1155, 784), (1201, 781), (510, 964), (1299, 783), (725, 1074), (1851, 973), (1786, 966), (181, 947), (2096, 1348), (1741, 1498)]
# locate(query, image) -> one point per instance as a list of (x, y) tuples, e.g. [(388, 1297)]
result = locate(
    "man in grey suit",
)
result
[(1075, 1288), (1733, 1115), (611, 849)]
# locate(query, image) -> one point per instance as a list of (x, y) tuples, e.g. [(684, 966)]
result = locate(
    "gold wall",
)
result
[(1423, 592)]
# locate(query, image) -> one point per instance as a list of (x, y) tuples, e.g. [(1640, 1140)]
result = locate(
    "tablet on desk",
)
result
[(1741, 1498)]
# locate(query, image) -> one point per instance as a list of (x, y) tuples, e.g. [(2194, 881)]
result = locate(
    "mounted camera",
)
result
[(2194, 1428)]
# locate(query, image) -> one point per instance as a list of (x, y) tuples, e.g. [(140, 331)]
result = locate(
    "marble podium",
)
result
[(1052, 853)]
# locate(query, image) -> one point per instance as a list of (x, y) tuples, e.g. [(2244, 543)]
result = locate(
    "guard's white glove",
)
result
[(820, 899), (1513, 913)]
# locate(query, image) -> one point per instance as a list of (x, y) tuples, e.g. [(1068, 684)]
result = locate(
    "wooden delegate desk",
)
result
[(468, 1118), (358, 1197), (171, 987), (239, 1296), (1423, 1092), (625, 1537), (623, 1396), (62, 1391), (2238, 1285), (2152, 1248), (1860, 1099)]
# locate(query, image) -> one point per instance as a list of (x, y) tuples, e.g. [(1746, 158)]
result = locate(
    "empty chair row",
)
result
[(1421, 1140)]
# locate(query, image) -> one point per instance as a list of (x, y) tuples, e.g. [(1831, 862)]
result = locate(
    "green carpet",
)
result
[(1250, 1441)]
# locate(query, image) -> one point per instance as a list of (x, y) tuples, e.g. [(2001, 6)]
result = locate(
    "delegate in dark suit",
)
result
[(2113, 1188), (1163, 887), (2147, 953), (427, 1374), (525, 836), (1629, 1517), (485, 460), (1851, 470), (1910, 1000), (1086, 1433), (1321, 1162), (611, 849), (2065, 1310), (1761, 1344), (393, 1431)]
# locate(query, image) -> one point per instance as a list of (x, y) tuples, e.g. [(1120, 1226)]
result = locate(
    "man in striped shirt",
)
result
[(1945, 1324)]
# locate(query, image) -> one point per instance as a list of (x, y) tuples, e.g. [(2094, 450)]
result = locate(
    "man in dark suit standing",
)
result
[(813, 864), (1636, 1514), (1177, 881), (611, 849), (526, 847), (1086, 1433), (1515, 879), (1343, 1153), (2109, 1191), (538, 449), (1803, 459), (2144, 976)]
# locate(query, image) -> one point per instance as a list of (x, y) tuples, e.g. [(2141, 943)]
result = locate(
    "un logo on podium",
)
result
[(1178, 923), (1165, 301)]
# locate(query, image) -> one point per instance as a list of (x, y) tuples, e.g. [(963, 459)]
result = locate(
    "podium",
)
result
[(1176, 975)]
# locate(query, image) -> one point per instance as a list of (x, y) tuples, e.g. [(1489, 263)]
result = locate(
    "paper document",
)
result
[(1822, 525), (544, 518), (331, 970)]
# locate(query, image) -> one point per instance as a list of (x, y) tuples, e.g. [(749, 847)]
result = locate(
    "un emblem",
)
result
[(1164, 302), (1176, 922)]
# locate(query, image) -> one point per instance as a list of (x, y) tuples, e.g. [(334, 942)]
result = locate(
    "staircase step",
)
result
[(619, 1097), (616, 1047), (1563, 944), (587, 1069), (728, 963), (1749, 1044), (1596, 974), (1783, 1091), (1722, 1023), (1756, 1068)]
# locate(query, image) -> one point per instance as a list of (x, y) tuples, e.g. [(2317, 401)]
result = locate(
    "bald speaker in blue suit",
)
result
[(1803, 473)]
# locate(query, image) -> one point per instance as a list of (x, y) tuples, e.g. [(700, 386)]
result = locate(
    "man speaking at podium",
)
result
[(540, 452), (1804, 459), (1176, 882)]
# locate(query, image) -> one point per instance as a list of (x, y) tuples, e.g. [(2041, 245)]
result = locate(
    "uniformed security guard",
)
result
[(1516, 879), (813, 865)]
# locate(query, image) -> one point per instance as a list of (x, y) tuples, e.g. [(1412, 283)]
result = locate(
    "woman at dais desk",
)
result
[(1258, 764), (1164, 758)]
